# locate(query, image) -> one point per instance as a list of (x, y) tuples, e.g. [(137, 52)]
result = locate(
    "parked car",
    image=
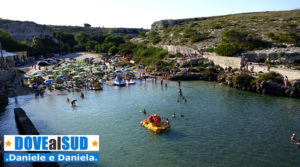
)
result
[(43, 63)]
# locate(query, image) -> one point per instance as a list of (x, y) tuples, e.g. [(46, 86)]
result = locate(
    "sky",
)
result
[(129, 13)]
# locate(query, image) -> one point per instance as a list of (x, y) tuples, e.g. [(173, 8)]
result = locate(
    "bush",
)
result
[(243, 79), (227, 49), (148, 55), (155, 39), (234, 42), (273, 76), (285, 38), (215, 25)]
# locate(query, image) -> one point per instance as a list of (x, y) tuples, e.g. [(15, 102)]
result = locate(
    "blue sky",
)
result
[(130, 13)]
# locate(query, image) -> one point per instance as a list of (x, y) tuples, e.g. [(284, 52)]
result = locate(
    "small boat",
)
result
[(155, 124), (118, 81), (130, 82)]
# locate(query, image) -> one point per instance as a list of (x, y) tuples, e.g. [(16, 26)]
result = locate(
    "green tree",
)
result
[(81, 38), (113, 50), (91, 45), (115, 40), (126, 48)]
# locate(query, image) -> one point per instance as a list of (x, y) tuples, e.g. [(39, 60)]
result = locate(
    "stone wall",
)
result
[(290, 55), (235, 62), (173, 49)]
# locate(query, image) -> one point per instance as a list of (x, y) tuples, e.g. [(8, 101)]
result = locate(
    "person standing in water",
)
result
[(82, 95), (68, 100), (180, 92), (293, 138), (161, 82)]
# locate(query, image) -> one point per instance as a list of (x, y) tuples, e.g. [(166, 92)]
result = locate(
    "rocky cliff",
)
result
[(24, 30)]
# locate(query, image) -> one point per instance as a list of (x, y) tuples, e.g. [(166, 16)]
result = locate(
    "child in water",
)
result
[(68, 100)]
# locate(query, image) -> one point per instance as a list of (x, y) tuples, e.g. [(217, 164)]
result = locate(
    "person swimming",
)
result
[(180, 92), (293, 137), (167, 121), (174, 115), (298, 143), (68, 100), (181, 115), (73, 102)]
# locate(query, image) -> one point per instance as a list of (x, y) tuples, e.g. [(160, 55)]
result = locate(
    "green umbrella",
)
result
[(96, 72), (37, 71), (74, 72), (67, 69)]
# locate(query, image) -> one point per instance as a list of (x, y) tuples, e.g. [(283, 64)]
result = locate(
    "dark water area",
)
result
[(221, 126)]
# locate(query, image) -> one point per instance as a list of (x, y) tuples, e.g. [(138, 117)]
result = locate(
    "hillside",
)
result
[(27, 30), (124, 32), (237, 32)]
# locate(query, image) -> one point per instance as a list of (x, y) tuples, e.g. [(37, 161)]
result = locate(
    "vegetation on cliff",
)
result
[(230, 34)]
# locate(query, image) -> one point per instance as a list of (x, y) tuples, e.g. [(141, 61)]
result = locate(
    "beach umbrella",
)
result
[(67, 69), (50, 76), (27, 77), (61, 76), (55, 71), (115, 63), (118, 71), (74, 72), (76, 77), (37, 71), (96, 72), (125, 69), (49, 81), (38, 75), (82, 73), (103, 66), (96, 67)]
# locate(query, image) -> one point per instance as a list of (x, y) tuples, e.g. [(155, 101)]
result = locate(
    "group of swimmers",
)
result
[(73, 102)]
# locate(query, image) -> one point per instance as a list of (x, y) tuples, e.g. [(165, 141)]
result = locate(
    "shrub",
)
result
[(148, 55), (227, 49), (285, 38), (155, 39), (215, 25), (273, 76), (244, 79)]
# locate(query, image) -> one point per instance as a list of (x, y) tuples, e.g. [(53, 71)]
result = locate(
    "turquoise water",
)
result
[(221, 126)]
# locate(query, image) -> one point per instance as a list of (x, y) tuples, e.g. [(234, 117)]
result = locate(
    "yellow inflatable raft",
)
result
[(151, 125)]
